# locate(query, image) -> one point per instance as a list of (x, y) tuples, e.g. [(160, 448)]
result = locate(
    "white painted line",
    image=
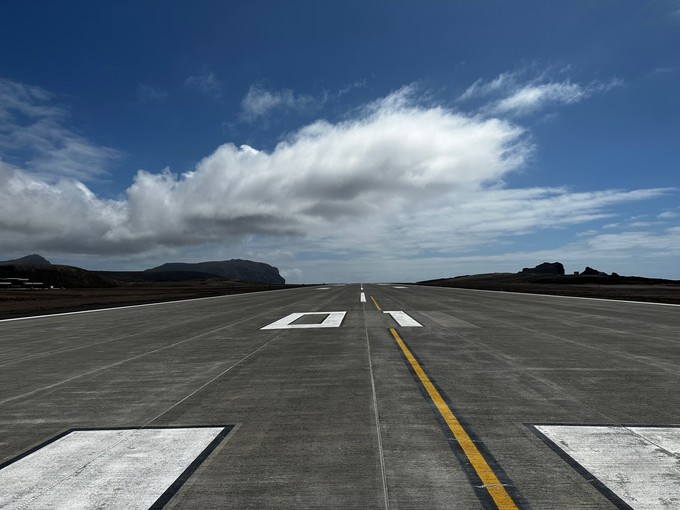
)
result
[(130, 468), (404, 319), (114, 308), (363, 297), (333, 320), (322, 288), (400, 287), (638, 464), (556, 296)]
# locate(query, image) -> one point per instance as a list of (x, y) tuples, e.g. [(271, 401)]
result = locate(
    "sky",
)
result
[(343, 141)]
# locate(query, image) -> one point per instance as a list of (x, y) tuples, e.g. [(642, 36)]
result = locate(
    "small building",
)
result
[(19, 283)]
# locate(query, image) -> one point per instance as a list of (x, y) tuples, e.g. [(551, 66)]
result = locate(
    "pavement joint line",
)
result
[(106, 367), (530, 373), (45, 354), (558, 296), (115, 339), (228, 369), (500, 496), (145, 425), (608, 351), (383, 470)]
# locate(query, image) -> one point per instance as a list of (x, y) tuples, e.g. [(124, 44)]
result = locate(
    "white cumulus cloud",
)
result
[(427, 177)]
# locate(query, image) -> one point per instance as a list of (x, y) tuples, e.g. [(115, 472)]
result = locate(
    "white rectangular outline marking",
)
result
[(126, 468), (404, 319), (334, 320)]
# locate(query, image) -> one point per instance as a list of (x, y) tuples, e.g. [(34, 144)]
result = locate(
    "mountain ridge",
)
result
[(233, 269), (28, 260), (36, 267)]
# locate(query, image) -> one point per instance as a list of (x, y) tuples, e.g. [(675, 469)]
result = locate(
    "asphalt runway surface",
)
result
[(390, 396)]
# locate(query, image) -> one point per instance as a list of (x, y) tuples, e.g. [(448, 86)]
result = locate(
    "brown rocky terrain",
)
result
[(28, 302), (59, 288)]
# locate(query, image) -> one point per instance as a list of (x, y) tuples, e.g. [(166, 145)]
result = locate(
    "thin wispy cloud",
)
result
[(260, 102), (510, 94), (205, 83), (35, 136), (150, 93), (480, 88), (534, 97), (359, 84)]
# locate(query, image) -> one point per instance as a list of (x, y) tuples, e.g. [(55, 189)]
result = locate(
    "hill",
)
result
[(28, 260), (234, 269), (589, 283), (56, 275)]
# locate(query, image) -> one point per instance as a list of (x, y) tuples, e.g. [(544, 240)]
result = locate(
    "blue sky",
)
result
[(353, 141)]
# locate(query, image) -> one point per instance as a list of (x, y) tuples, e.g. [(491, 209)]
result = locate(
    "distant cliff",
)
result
[(235, 269)]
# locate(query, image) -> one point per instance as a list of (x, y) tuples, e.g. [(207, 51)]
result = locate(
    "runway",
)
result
[(354, 396)]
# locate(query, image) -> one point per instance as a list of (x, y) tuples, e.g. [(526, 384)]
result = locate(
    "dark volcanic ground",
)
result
[(27, 302), (24, 302), (630, 288)]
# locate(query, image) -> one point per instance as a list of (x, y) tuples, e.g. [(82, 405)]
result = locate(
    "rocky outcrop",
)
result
[(546, 268), (235, 269), (589, 271)]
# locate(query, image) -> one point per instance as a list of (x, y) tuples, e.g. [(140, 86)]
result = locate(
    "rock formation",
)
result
[(546, 268)]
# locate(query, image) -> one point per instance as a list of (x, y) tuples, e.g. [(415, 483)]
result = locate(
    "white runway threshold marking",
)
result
[(404, 319), (123, 468), (333, 320), (639, 465)]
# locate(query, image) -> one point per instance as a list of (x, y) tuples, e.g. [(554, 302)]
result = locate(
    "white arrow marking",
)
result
[(404, 319)]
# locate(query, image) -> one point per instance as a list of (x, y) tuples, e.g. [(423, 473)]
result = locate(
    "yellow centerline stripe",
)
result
[(376, 304), (484, 471)]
